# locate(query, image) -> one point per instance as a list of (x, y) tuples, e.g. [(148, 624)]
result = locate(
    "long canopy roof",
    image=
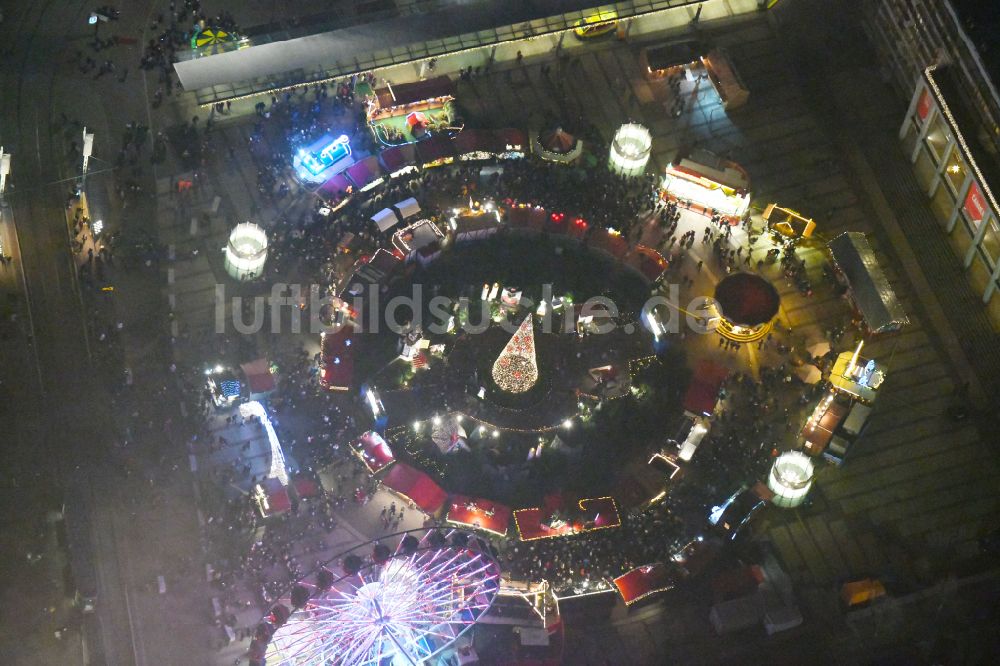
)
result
[(294, 58), (870, 289)]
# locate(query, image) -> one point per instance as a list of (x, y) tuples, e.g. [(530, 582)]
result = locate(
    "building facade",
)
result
[(951, 131)]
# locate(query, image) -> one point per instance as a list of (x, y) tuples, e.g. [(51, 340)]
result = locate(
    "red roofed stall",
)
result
[(398, 158), (479, 513), (374, 451), (648, 262), (435, 151), (644, 581), (337, 359), (611, 243), (703, 392), (415, 486), (594, 514), (475, 144), (271, 497), (512, 142), (364, 172), (336, 186)]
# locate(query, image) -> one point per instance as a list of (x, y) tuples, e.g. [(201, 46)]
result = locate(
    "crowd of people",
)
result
[(294, 544)]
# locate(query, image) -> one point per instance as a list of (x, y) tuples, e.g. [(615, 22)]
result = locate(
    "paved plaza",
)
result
[(818, 135), (919, 490)]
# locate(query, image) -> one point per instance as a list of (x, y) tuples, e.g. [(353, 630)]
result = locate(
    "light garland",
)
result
[(959, 137), (277, 470)]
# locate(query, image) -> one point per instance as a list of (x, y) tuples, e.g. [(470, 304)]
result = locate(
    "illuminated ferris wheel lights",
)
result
[(402, 609)]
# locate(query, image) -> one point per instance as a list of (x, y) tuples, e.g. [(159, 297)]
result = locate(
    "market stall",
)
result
[(385, 220), (670, 59), (271, 498), (725, 79), (223, 385), (399, 160), (435, 151), (416, 236), (867, 285), (707, 184), (703, 392), (476, 144), (260, 378), (337, 358), (412, 111), (856, 376), (824, 421), (407, 208), (416, 487), (479, 513), (644, 581), (366, 173), (373, 451), (556, 520)]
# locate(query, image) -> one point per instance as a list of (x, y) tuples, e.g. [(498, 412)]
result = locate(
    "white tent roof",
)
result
[(408, 207), (385, 219)]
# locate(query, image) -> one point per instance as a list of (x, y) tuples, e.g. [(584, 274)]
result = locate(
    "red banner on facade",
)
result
[(924, 105), (975, 204)]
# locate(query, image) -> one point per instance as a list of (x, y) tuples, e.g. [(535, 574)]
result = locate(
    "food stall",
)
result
[(416, 236), (707, 184), (703, 391), (670, 59)]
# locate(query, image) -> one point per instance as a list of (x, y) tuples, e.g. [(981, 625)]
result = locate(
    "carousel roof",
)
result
[(557, 140), (747, 299)]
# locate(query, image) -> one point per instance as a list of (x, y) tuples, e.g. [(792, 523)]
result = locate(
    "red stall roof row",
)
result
[(646, 260)]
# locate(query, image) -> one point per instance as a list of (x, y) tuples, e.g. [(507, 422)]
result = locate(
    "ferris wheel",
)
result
[(378, 606)]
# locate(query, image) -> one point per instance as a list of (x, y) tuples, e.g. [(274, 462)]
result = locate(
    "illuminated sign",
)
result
[(318, 161)]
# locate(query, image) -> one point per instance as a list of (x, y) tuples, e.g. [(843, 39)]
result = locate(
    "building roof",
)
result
[(674, 54), (981, 21), (327, 47), (945, 86), (870, 289), (557, 140), (747, 299)]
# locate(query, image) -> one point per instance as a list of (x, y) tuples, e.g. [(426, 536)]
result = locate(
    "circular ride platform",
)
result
[(747, 305)]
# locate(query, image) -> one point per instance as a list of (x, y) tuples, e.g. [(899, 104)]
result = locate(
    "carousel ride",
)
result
[(745, 307)]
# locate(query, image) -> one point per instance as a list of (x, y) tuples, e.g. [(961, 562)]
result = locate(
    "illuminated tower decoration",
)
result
[(630, 150), (516, 370), (246, 251), (790, 479)]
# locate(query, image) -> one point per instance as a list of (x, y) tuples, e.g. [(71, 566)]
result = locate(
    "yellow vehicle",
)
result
[(596, 25)]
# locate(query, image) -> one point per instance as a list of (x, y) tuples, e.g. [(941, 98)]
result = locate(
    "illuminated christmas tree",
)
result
[(516, 370)]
